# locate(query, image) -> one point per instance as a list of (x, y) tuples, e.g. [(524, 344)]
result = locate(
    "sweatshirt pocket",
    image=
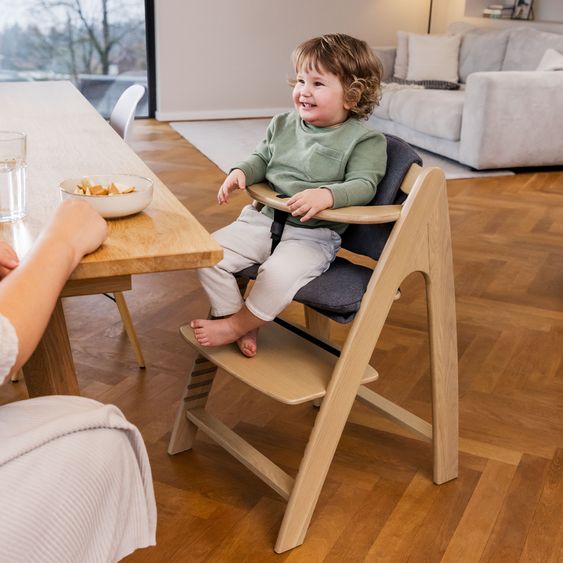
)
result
[(324, 164)]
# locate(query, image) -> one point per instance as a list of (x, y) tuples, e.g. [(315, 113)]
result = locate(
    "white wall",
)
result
[(230, 58), (223, 59)]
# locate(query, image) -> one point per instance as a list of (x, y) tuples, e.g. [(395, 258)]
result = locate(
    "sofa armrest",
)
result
[(387, 57), (512, 118)]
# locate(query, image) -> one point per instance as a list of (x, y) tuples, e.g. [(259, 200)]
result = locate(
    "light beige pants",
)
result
[(302, 255)]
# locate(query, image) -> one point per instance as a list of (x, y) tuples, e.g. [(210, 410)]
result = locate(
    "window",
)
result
[(99, 45)]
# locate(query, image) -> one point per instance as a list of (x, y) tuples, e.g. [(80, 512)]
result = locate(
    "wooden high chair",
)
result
[(294, 367)]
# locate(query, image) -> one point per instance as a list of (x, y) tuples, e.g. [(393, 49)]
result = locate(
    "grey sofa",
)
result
[(506, 114)]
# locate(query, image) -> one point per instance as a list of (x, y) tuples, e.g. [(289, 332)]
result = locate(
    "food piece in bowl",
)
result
[(98, 190), (86, 188)]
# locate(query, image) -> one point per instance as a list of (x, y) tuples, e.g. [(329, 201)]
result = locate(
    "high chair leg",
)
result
[(318, 324), (198, 387), (314, 466), (443, 346)]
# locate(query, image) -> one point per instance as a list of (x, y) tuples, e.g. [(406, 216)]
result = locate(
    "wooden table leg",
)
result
[(50, 370)]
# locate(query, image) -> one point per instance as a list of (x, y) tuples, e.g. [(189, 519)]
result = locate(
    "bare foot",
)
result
[(215, 332), (247, 343), (240, 328)]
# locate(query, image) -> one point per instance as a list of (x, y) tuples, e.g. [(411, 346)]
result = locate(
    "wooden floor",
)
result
[(379, 503)]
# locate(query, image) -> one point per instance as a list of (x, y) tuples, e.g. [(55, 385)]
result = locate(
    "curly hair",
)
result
[(355, 64)]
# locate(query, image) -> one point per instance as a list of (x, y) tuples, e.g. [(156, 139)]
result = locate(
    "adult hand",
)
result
[(8, 259), (309, 202), (236, 180), (78, 225)]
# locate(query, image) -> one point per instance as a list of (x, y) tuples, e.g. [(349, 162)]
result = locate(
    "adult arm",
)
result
[(29, 293)]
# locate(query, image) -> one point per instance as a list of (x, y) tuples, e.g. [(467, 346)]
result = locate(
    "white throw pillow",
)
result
[(551, 60), (402, 56), (433, 57)]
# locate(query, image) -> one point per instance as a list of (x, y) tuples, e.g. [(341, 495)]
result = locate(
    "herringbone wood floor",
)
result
[(379, 503)]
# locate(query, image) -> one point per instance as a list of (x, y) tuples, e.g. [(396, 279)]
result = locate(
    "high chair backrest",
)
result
[(369, 240)]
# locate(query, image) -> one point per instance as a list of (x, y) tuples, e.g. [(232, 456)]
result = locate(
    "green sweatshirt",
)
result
[(349, 160)]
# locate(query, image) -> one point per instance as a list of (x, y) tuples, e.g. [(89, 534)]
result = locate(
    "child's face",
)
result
[(318, 96)]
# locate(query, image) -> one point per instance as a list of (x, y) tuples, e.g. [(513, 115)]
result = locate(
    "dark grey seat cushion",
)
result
[(338, 292)]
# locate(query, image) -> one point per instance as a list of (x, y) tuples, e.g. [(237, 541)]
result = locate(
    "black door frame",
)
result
[(151, 55)]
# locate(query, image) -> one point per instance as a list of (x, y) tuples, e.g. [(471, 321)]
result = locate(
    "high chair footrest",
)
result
[(287, 368)]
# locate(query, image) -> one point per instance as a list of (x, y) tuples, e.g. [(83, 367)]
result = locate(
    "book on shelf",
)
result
[(497, 11)]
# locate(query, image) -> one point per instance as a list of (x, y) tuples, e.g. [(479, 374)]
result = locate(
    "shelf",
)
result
[(545, 11)]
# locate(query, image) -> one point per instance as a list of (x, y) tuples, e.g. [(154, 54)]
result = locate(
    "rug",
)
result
[(226, 142)]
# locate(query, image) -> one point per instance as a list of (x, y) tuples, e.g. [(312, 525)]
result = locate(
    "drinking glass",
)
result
[(12, 175)]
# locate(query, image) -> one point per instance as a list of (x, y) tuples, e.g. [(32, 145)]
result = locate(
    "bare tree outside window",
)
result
[(97, 44)]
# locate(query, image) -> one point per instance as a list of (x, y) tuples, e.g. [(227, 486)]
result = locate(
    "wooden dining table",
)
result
[(68, 138)]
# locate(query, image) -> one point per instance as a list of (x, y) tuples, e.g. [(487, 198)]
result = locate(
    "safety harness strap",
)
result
[(276, 230)]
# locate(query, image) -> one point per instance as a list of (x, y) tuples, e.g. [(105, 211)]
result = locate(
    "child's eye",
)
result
[(301, 81), (319, 84)]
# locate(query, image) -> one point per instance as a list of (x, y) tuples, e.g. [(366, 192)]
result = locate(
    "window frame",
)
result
[(151, 56)]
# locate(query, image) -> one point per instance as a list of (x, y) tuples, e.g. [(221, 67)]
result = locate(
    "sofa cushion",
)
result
[(481, 50), (527, 46), (387, 91), (433, 57), (386, 56), (551, 60), (382, 110), (402, 57), (435, 112)]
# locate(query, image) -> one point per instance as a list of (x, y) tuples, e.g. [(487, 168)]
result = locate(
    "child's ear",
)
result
[(349, 104)]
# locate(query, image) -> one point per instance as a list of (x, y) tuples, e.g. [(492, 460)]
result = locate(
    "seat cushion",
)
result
[(325, 293), (434, 112)]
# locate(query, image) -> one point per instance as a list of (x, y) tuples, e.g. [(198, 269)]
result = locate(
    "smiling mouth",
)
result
[(306, 105)]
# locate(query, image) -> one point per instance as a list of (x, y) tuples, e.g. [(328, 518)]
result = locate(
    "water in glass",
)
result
[(12, 176)]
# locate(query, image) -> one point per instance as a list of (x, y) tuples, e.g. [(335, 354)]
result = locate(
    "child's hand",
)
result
[(8, 259), (236, 180), (309, 202)]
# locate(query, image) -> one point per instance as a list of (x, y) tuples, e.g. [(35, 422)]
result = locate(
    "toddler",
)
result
[(320, 155)]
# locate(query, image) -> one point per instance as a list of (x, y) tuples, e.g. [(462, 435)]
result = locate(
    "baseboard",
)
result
[(218, 114)]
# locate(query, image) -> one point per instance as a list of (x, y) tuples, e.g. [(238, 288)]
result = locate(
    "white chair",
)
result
[(123, 113), (121, 119)]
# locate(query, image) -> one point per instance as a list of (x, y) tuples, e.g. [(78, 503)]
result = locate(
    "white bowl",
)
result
[(113, 206)]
